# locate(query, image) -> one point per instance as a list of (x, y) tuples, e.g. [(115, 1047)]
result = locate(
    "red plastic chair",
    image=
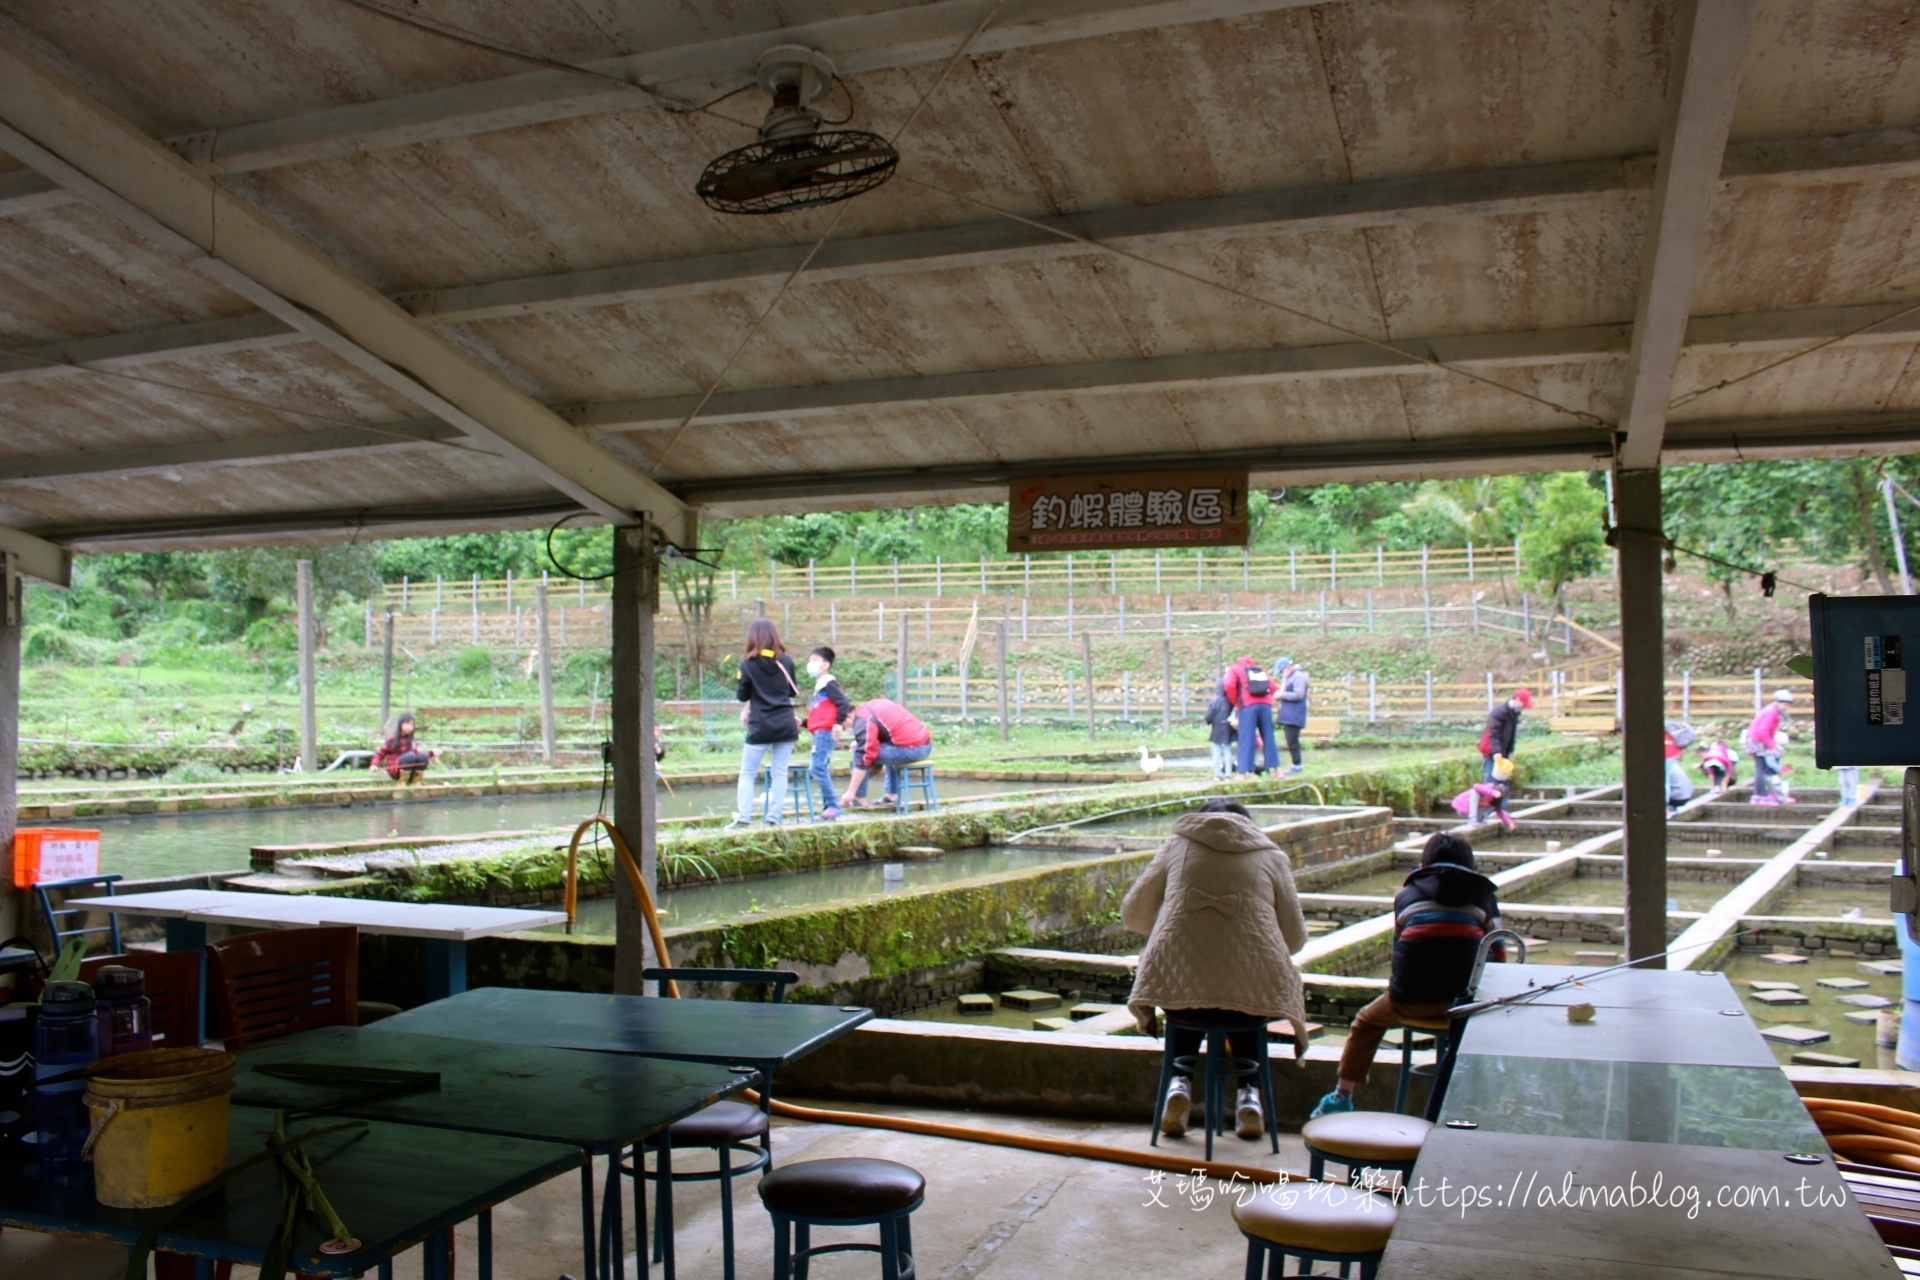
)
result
[(263, 985), (173, 989)]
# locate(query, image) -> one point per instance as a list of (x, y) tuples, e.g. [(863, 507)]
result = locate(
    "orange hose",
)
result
[(623, 854), (1873, 1110), (1867, 1142), (1845, 1122), (899, 1124)]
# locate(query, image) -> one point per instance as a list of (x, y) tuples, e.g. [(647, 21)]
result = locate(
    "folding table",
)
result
[(394, 1185), (598, 1104)]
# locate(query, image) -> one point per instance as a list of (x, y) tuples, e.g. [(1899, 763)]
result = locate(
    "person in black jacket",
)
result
[(1439, 917), (1503, 727), (768, 689), (1219, 721)]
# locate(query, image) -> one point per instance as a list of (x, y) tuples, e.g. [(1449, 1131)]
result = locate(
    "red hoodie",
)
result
[(889, 722), (1236, 690)]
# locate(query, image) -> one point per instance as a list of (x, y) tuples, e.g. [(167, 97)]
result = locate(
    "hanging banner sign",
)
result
[(1120, 509)]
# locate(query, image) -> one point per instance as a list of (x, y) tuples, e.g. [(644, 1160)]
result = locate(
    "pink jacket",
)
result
[(1717, 755), (1765, 725)]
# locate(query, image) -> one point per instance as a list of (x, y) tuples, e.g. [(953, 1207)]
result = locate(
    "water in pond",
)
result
[(1835, 900), (1608, 891), (1379, 884), (1823, 1010), (152, 845), (691, 905)]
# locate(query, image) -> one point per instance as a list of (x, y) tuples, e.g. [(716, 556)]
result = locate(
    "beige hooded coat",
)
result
[(1222, 920)]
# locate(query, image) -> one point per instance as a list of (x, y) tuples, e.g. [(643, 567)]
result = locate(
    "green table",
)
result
[(599, 1104), (394, 1185)]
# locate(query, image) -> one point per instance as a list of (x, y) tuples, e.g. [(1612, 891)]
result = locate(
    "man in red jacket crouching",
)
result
[(885, 735)]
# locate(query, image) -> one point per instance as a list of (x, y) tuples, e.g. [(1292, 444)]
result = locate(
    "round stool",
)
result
[(1217, 1069), (842, 1192), (725, 1128), (1439, 1029), (1315, 1224), (1364, 1140)]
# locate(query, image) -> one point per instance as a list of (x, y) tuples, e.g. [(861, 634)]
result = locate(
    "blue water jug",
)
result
[(66, 1039)]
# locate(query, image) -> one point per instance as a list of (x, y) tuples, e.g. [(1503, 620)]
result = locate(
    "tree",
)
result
[(796, 540), (256, 578), (1564, 540)]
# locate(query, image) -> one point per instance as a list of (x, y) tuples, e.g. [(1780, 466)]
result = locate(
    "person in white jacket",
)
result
[(1222, 920)]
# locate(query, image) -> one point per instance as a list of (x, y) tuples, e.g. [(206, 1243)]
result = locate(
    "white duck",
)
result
[(1150, 764)]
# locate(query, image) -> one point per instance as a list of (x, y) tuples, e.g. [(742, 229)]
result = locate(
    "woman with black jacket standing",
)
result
[(768, 689)]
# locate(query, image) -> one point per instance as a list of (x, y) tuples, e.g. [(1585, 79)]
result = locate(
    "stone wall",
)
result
[(1817, 937)]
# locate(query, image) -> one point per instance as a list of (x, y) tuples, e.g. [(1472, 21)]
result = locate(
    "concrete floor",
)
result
[(990, 1212)]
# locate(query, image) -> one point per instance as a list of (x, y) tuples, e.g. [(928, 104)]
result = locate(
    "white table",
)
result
[(445, 927)]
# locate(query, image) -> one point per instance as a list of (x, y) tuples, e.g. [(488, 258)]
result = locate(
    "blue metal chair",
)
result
[(724, 1128), (55, 914), (1217, 1067), (920, 776), (1410, 1035)]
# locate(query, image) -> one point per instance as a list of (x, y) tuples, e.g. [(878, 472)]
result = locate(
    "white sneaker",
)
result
[(1252, 1125), (1173, 1118)]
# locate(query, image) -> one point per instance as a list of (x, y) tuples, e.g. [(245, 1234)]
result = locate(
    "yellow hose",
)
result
[(963, 1133)]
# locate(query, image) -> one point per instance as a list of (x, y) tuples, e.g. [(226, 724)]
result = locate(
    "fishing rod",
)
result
[(1481, 1006), (1170, 802)]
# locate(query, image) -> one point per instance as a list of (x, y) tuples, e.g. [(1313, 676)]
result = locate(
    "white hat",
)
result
[(1783, 695)]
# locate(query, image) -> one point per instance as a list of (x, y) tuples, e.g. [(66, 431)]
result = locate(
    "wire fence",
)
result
[(1073, 574)]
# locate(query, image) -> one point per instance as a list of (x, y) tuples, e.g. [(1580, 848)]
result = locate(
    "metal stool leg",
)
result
[(485, 1250), (1166, 1083), (1406, 1071), (889, 1251), (802, 1241), (782, 1250), (726, 1211)]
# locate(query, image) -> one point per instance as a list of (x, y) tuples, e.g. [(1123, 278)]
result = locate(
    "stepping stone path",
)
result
[(1537, 944), (1794, 1035), (1596, 955), (1758, 985), (1843, 984), (1883, 968), (1282, 1032), (1778, 997), (1029, 999), (976, 1006), (1865, 1017), (1783, 957), (1051, 1024), (1810, 1059), (1092, 1009), (1865, 1002)]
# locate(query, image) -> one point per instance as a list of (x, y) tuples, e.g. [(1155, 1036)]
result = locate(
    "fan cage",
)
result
[(785, 174)]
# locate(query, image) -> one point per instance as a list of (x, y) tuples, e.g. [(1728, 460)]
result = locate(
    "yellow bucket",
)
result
[(159, 1124)]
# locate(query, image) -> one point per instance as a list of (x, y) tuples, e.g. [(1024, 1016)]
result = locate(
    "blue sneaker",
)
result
[(1332, 1105)]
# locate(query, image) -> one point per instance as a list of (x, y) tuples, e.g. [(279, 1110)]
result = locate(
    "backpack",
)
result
[(1681, 732), (1259, 683)]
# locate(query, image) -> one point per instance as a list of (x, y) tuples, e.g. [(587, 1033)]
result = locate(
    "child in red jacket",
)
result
[(827, 710)]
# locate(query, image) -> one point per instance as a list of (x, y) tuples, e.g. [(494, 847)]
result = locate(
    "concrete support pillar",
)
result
[(636, 595), (12, 622), (309, 726), (1637, 521)]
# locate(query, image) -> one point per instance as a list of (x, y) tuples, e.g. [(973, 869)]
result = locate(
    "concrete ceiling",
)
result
[(1406, 238)]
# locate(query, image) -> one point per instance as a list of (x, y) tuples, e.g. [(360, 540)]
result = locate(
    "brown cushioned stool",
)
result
[(1365, 1140), (1321, 1222), (842, 1192)]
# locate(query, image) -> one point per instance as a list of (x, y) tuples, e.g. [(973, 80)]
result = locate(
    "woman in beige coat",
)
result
[(1222, 920)]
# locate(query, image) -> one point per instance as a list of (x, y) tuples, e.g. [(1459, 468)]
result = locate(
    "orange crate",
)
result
[(53, 853)]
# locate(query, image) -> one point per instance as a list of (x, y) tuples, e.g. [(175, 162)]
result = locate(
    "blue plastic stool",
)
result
[(1216, 1067), (921, 776), (1439, 1033), (799, 784)]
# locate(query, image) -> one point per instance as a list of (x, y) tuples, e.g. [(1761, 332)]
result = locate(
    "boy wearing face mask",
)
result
[(826, 712)]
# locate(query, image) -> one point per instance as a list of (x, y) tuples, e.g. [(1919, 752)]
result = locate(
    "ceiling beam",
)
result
[(1762, 331), (255, 331), (37, 557), (1881, 155), (389, 520), (170, 459), (1508, 453), (1755, 332), (1710, 41), (56, 129)]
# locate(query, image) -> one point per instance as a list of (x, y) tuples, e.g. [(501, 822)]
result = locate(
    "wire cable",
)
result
[(787, 284), (1822, 345), (668, 102), (1583, 415)]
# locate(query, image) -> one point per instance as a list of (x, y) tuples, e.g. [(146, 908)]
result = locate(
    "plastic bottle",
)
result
[(66, 1039), (125, 1013), (16, 1069)]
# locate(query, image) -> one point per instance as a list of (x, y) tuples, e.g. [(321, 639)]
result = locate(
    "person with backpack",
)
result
[(1250, 690), (767, 689), (1503, 727), (1679, 737), (1219, 722)]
